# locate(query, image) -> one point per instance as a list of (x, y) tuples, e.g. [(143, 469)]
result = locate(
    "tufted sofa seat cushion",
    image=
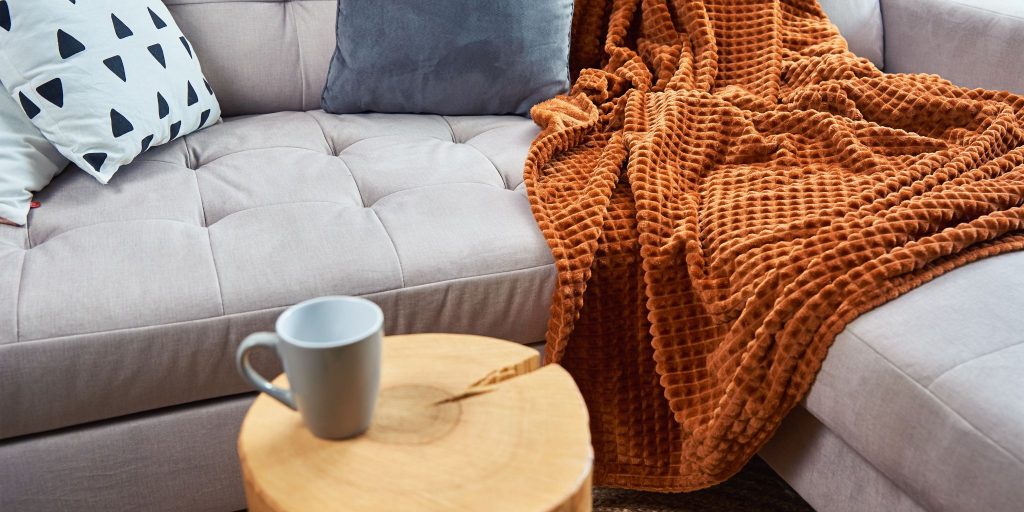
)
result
[(134, 296)]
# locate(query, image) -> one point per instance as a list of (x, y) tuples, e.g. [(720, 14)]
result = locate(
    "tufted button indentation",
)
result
[(506, 146), (346, 130), (461, 230), (285, 253), (262, 177), (146, 189), (296, 130), (117, 275), (169, 267), (385, 165)]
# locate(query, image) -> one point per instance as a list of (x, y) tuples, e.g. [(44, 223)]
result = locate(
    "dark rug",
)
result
[(756, 487)]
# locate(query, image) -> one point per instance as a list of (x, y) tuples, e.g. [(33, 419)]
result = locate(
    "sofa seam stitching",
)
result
[(394, 247), (499, 127), (355, 182), (942, 402), (323, 133), (994, 13), (216, 271), (209, 243), (451, 130), (501, 176), (433, 185), (125, 221), (388, 135), (271, 205), (188, 158), (17, 304), (230, 315), (248, 150), (971, 360), (142, 414), (28, 232), (298, 50), (155, 161)]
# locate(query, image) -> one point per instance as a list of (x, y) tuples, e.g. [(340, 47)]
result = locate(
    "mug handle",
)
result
[(261, 339)]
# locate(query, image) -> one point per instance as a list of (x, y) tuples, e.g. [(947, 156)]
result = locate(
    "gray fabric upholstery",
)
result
[(828, 474), (177, 459), (973, 43), (261, 56), (133, 297), (141, 289), (860, 22), (927, 388), (273, 55), (459, 57)]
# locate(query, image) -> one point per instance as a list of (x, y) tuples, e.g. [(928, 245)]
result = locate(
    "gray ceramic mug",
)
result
[(331, 349)]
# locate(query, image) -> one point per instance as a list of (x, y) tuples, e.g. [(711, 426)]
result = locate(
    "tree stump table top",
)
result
[(463, 423)]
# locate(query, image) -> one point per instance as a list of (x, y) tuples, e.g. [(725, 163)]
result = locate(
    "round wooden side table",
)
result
[(463, 423)]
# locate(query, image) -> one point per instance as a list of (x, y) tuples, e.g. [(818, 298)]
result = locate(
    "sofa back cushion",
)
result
[(261, 55), (972, 43), (860, 22), (270, 55)]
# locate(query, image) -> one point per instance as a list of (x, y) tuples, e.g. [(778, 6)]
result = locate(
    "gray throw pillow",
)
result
[(453, 57)]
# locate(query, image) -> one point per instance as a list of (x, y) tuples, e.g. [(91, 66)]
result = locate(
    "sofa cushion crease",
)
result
[(933, 370), (205, 240)]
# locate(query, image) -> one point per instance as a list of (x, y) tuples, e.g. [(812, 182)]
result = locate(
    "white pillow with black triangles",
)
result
[(103, 80)]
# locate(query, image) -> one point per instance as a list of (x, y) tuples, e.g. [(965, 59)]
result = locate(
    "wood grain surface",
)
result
[(463, 423)]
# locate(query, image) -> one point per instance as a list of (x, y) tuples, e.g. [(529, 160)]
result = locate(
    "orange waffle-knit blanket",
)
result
[(723, 190)]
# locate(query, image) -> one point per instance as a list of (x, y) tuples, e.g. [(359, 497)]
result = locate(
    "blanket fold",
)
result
[(724, 189)]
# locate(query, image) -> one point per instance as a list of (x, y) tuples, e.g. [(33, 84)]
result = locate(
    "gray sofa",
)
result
[(920, 403), (121, 306)]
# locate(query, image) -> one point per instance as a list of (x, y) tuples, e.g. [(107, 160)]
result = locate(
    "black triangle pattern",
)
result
[(119, 125), (116, 66), (193, 98), (95, 160), (31, 109), (157, 52), (157, 21), (5, 16), (52, 91), (161, 106), (120, 29), (188, 48), (67, 45)]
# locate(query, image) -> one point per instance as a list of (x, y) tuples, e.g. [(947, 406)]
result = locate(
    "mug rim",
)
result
[(376, 326)]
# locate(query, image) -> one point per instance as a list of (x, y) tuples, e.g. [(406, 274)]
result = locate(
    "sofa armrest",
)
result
[(973, 43)]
